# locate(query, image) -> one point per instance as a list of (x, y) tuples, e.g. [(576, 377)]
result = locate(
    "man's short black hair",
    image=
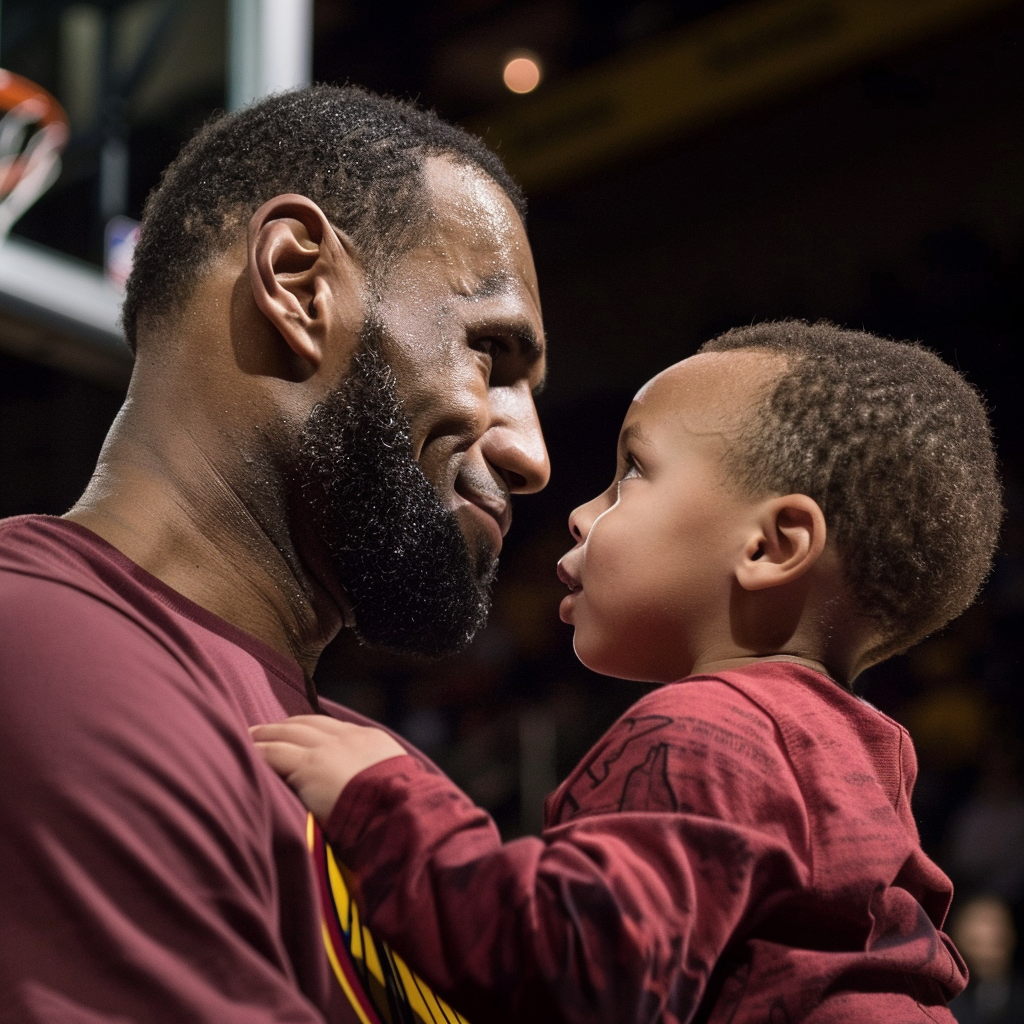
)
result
[(896, 448), (357, 155)]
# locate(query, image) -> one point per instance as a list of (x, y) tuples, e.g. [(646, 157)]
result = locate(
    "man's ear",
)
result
[(788, 540), (304, 275)]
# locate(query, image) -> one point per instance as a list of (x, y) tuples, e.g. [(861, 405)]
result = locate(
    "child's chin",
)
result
[(589, 657), (603, 661)]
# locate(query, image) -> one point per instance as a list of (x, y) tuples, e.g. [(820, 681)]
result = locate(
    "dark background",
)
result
[(887, 196)]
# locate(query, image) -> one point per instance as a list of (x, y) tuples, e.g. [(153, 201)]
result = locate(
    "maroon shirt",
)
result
[(738, 848), (152, 867)]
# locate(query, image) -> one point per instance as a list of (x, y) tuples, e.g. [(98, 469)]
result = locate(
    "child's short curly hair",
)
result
[(896, 448)]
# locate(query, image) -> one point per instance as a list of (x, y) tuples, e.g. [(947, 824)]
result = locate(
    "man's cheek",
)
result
[(440, 466)]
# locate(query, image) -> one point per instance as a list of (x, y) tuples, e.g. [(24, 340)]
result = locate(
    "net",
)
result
[(33, 132)]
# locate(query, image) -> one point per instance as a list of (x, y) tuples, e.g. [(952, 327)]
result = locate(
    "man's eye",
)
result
[(489, 346)]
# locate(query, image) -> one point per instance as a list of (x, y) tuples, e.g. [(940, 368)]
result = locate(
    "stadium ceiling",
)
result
[(735, 58), (63, 312)]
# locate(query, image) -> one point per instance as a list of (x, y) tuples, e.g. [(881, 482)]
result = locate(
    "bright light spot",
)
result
[(522, 73)]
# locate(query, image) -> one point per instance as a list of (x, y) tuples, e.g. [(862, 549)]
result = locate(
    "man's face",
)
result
[(461, 326), (408, 468)]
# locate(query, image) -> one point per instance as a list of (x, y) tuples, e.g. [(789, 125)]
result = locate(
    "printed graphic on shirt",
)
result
[(630, 773), (671, 764), (375, 979)]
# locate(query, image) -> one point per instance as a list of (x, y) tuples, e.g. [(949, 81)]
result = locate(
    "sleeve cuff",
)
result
[(378, 790)]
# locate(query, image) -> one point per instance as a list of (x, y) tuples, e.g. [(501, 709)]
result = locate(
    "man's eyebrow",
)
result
[(493, 284), (526, 338)]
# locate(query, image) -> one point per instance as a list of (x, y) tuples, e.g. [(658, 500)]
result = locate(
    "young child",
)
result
[(791, 505)]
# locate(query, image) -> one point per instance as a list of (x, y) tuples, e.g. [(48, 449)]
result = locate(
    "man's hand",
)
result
[(318, 756)]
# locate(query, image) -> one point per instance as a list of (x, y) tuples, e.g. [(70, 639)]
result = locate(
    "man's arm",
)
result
[(610, 917), (136, 870)]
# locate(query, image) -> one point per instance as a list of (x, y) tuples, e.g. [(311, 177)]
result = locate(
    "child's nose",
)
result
[(574, 526), (580, 521)]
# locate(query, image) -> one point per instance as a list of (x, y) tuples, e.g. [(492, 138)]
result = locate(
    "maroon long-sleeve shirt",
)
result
[(737, 848), (152, 867)]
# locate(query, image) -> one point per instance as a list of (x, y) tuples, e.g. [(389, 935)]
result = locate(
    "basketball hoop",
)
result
[(33, 131)]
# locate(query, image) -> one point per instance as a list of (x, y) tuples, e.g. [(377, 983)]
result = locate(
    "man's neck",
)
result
[(181, 520)]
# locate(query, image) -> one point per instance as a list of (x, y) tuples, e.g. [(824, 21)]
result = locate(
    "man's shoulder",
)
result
[(79, 620), (62, 597), (70, 653), (40, 552), (99, 688), (23, 537)]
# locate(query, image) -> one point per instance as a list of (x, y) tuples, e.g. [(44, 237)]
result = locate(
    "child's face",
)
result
[(652, 571)]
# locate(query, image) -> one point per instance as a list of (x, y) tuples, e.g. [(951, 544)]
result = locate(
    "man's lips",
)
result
[(494, 512)]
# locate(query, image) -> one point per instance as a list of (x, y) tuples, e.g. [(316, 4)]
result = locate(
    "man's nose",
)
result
[(514, 445)]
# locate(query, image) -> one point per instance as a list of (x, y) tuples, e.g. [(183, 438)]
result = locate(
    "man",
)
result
[(338, 336)]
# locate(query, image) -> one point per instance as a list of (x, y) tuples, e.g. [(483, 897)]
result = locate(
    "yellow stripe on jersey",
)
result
[(372, 960), (340, 975), (412, 998)]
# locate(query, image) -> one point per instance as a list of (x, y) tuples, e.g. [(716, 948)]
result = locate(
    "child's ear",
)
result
[(789, 539)]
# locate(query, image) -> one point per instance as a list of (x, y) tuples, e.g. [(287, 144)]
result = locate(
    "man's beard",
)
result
[(391, 543)]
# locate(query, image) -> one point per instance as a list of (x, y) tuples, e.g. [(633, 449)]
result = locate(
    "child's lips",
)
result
[(568, 579), (575, 587)]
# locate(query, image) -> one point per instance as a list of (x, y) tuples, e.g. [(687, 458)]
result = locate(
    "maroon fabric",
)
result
[(737, 848), (152, 867)]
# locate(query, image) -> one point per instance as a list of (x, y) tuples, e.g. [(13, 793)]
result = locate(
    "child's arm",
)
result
[(614, 917)]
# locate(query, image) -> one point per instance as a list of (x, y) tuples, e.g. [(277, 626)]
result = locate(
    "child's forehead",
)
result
[(709, 391)]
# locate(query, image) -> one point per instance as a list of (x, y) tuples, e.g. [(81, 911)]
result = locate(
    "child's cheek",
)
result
[(608, 613)]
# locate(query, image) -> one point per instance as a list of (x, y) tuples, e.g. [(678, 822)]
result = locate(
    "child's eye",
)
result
[(632, 469)]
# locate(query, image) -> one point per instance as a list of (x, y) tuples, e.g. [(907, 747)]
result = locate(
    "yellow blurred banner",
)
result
[(718, 65)]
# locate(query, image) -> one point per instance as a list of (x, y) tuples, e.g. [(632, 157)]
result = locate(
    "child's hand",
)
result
[(318, 756)]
